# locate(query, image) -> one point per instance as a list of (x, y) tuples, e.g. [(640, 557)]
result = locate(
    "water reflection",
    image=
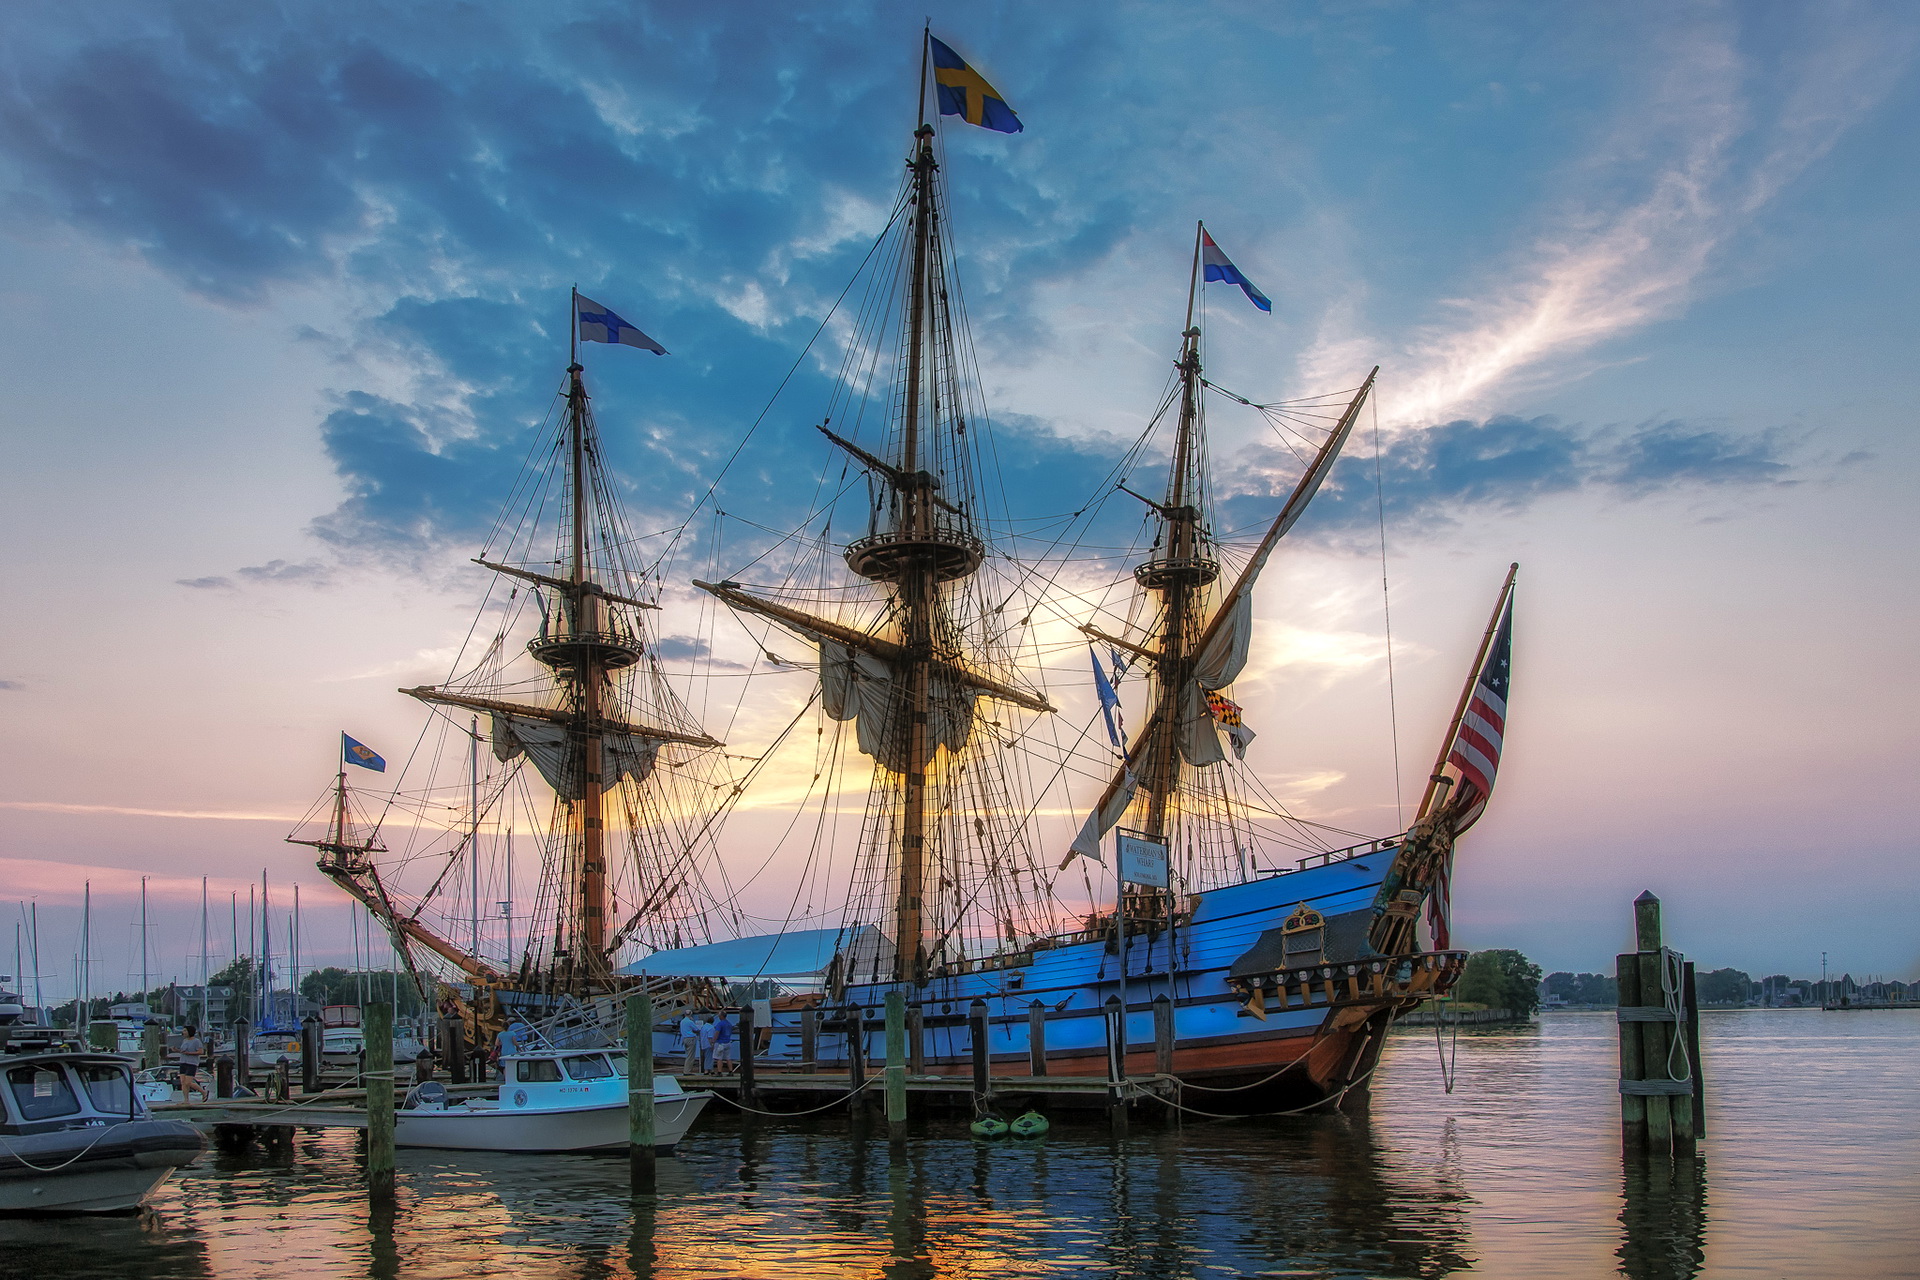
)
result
[(1518, 1173), (1664, 1221)]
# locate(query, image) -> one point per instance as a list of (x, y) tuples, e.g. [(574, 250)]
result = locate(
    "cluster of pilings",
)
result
[(1662, 1101)]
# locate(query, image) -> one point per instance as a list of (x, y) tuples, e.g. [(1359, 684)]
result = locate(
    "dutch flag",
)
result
[(1219, 266)]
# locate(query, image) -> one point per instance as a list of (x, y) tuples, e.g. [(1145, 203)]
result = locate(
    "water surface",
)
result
[(1811, 1169)]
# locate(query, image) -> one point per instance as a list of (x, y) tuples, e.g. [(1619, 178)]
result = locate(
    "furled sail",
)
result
[(622, 755), (1219, 652), (858, 686)]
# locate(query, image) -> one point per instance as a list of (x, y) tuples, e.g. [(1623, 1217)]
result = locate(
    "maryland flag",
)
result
[(1227, 714)]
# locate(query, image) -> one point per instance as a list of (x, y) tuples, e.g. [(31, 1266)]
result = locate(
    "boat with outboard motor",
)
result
[(77, 1137), (549, 1100)]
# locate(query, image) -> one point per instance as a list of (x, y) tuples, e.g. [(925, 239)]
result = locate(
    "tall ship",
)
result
[(1184, 927), (558, 738), (1236, 954)]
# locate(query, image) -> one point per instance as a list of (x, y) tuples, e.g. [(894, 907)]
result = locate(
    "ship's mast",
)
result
[(590, 923), (922, 547), (1179, 575)]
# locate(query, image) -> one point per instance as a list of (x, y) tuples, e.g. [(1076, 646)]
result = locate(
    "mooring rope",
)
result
[(734, 1102)]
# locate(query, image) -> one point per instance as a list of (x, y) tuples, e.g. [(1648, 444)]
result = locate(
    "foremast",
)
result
[(583, 652)]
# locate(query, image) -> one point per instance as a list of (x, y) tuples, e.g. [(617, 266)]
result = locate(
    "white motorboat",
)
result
[(551, 1100), (76, 1136)]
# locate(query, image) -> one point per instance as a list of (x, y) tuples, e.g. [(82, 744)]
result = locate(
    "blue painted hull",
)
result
[(1223, 1056)]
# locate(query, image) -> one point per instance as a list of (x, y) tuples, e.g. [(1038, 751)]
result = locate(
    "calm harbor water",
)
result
[(1811, 1168)]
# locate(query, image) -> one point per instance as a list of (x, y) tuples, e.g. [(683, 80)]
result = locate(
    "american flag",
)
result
[(1476, 754)]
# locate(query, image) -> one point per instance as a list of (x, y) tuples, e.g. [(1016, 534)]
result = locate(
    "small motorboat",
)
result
[(551, 1100), (76, 1135)]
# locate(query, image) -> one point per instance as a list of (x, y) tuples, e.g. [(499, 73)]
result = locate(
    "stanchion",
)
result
[(641, 1159), (378, 1033)]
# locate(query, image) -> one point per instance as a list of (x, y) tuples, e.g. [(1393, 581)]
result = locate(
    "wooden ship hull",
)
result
[(1227, 1011)]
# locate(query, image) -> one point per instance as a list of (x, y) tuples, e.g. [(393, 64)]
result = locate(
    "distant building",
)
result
[(214, 1014)]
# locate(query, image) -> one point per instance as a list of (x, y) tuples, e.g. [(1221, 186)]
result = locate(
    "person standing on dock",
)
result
[(723, 1043), (689, 1042), (192, 1051), (708, 1035)]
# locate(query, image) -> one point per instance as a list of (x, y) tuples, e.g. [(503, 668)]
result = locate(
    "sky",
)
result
[(283, 298)]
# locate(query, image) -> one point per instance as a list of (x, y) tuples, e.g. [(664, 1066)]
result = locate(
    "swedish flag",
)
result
[(964, 92)]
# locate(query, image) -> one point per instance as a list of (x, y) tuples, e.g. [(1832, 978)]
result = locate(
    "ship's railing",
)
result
[(1337, 855), (1375, 980)]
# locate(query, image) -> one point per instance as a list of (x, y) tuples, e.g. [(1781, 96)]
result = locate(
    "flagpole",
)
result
[(926, 37), (1466, 694), (573, 327), (1193, 275)]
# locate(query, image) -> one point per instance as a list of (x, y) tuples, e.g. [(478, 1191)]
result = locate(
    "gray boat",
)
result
[(75, 1136)]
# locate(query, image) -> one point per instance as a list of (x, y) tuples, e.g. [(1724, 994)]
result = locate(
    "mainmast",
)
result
[(911, 679)]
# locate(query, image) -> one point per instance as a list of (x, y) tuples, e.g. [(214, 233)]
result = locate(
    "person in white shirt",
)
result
[(689, 1042)]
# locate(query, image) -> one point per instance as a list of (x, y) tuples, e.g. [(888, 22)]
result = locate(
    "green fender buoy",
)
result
[(1030, 1125), (989, 1127)]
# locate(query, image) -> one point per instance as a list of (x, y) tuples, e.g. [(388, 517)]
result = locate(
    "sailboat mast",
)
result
[(590, 930), (205, 1017), (473, 831), (145, 976)]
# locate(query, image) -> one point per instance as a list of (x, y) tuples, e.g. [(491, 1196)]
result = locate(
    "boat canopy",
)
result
[(802, 954)]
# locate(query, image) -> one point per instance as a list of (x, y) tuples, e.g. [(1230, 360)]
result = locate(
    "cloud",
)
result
[(12, 686), (1628, 242), (1430, 477), (308, 573)]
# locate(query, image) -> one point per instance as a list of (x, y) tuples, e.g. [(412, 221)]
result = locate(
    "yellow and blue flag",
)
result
[(361, 754), (964, 92)]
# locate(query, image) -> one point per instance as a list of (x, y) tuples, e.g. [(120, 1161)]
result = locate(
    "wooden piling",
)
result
[(153, 1045), (856, 1022), (453, 1037), (916, 1042), (748, 1065), (1633, 1107), (1656, 1042), (1693, 1056), (223, 1077), (378, 1035), (1037, 1039), (641, 1163), (1163, 1035), (810, 1039), (242, 1048), (897, 1064), (1116, 1025), (312, 1042), (977, 1035), (104, 1035)]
